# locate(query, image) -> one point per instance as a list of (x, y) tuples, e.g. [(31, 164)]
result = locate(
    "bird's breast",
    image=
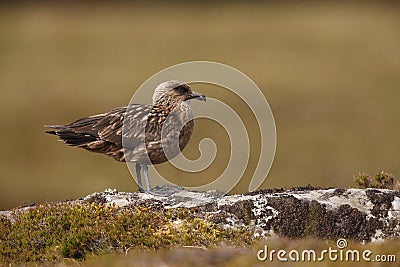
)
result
[(168, 132)]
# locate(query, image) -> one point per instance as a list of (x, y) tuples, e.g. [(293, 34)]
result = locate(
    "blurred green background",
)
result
[(330, 71)]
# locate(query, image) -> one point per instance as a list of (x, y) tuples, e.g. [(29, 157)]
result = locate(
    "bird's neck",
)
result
[(167, 104)]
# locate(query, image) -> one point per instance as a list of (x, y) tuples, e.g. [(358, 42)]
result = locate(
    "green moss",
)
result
[(363, 180), (381, 179), (384, 180), (52, 232)]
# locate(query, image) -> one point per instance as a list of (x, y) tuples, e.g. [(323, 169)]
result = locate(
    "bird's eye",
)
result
[(182, 89)]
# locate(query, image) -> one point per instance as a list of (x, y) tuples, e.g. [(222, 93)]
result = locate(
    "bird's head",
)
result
[(175, 92)]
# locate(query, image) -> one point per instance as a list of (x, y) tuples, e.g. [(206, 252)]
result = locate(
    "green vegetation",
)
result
[(383, 180), (53, 232), (90, 234)]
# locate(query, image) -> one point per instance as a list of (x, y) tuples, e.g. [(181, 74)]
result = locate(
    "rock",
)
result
[(358, 214)]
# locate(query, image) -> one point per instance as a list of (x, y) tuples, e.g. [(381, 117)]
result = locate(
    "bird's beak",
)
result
[(197, 96)]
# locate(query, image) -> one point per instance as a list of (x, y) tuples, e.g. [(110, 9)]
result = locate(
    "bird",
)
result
[(143, 134)]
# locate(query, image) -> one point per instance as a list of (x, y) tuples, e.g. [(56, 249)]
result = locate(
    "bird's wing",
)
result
[(102, 133), (130, 119)]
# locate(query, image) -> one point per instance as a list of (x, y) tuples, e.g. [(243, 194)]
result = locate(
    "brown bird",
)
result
[(138, 133)]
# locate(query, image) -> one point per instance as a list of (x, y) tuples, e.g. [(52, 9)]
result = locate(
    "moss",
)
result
[(383, 180), (53, 232), (363, 180)]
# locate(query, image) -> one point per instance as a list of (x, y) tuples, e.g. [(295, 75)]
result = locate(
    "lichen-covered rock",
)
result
[(359, 214)]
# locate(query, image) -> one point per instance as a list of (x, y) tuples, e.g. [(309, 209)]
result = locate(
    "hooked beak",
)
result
[(197, 96)]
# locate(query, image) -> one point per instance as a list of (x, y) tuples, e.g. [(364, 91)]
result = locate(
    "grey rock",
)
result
[(358, 214)]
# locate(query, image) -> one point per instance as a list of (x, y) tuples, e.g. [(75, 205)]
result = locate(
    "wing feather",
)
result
[(102, 133)]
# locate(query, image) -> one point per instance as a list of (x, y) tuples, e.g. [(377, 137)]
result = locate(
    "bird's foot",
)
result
[(153, 192), (162, 191), (167, 190)]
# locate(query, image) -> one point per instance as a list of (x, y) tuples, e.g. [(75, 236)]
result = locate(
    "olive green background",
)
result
[(329, 71)]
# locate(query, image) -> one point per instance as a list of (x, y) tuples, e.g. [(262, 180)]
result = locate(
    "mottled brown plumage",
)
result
[(143, 134)]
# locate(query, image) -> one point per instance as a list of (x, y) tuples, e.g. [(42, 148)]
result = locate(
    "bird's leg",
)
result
[(139, 178), (154, 191), (146, 177)]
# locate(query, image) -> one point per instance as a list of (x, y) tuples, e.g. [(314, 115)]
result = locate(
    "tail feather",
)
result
[(98, 133), (69, 136)]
